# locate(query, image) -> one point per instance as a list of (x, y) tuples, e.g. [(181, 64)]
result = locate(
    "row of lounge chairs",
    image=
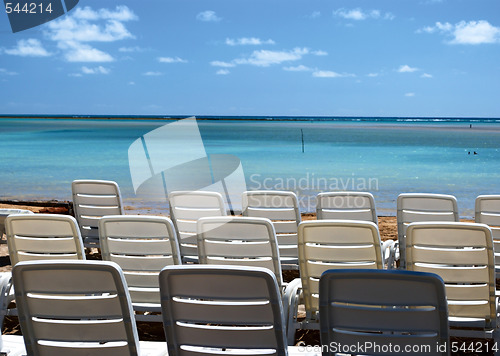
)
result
[(83, 308), (322, 245)]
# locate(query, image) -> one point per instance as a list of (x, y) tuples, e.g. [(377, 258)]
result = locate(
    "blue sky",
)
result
[(260, 57)]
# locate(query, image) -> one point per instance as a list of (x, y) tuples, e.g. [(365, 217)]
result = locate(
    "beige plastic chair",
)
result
[(185, 209), (76, 308), (5, 277), (386, 310), (282, 208), (416, 207), (38, 237), (352, 206), (93, 199), (241, 241), (488, 212), (346, 206), (323, 245), (462, 254), (222, 310), (43, 237), (141, 246)]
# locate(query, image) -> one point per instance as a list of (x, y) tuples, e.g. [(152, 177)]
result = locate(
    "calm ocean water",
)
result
[(386, 156)]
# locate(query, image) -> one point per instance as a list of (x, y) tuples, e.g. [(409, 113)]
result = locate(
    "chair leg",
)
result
[(387, 253), (292, 298), (5, 286)]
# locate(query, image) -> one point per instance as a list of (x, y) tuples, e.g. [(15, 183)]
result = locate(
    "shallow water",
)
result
[(40, 157)]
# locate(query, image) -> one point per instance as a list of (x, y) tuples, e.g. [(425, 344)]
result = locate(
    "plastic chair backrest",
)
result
[(420, 207), (346, 206), (43, 237), (74, 308), (402, 311), (488, 212), (282, 208), (240, 241), (141, 245), (210, 309), (93, 199), (327, 244), (462, 254), (186, 208)]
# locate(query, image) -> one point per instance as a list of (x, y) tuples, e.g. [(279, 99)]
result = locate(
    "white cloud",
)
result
[(77, 75), (426, 75), (409, 95), (152, 74), (248, 41), (406, 69), (222, 64), (315, 14), (28, 48), (358, 14), (171, 60), (472, 32), (131, 83), (79, 52), (476, 32), (372, 75), (265, 58), (96, 70), (299, 68), (4, 71), (86, 25), (131, 49), (330, 74), (222, 72), (121, 13), (71, 29), (208, 16)]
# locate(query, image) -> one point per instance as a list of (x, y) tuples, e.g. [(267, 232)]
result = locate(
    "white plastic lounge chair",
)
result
[(76, 308), (141, 246), (351, 206), (6, 212), (185, 210), (346, 206), (462, 254), (383, 311), (282, 208), (38, 237), (222, 310), (488, 212), (241, 241), (323, 245), (5, 277), (416, 207), (92, 199), (43, 237)]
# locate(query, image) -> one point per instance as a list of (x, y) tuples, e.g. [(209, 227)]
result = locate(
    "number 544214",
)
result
[(31, 8)]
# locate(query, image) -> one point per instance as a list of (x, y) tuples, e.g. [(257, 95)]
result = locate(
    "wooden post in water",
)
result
[(302, 135)]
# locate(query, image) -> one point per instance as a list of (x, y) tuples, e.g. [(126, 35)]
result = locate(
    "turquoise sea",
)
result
[(40, 157)]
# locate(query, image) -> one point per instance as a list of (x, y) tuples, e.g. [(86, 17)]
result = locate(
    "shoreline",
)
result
[(416, 119), (387, 223)]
